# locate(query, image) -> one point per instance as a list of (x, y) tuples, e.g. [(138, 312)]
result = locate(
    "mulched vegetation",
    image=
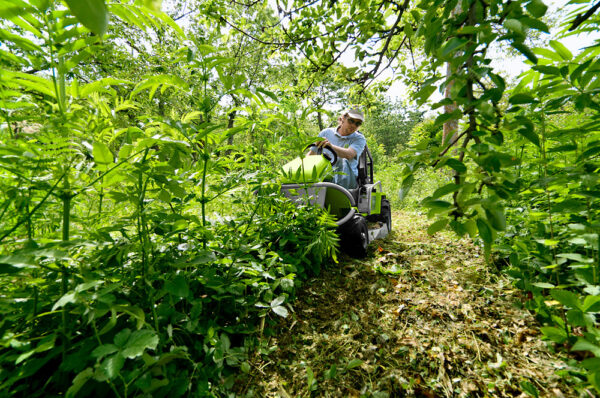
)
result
[(421, 316)]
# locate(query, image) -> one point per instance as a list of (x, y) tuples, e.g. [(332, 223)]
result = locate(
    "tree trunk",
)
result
[(320, 121), (451, 126)]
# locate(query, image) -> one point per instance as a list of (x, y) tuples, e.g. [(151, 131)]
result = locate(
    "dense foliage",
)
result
[(143, 252), (145, 248)]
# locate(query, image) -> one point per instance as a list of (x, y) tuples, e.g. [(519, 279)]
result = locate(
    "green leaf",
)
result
[(14, 8), (496, 218), (534, 23), (70, 297), (584, 345), (526, 51), (529, 388), (471, 227), (178, 287), (437, 226), (280, 310), (576, 74), (445, 117), (445, 190), (245, 367), (268, 93), (576, 317), (563, 148), (555, 334), (138, 342), (104, 350), (424, 93), (453, 45), (154, 5), (543, 285), (102, 154), (592, 364), (561, 50), (91, 13), (110, 324), (154, 82), (547, 70), (79, 381), (406, 186), (437, 204), (458, 228), (537, 8), (14, 263), (135, 312), (591, 304), (566, 298), (514, 25), (102, 85), (575, 257), (484, 231), (32, 82), (548, 54), (548, 242), (112, 365), (530, 135), (310, 379), (19, 41), (278, 301), (521, 98), (354, 363), (456, 165), (122, 337)]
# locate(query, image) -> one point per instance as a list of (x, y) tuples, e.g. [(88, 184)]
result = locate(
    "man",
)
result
[(348, 143)]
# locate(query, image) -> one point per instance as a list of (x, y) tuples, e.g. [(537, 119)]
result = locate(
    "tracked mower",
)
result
[(362, 214)]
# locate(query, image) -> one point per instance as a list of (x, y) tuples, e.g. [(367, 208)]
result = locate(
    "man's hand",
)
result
[(324, 143), (344, 153)]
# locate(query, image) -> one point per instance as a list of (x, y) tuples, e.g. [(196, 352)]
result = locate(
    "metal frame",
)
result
[(305, 195)]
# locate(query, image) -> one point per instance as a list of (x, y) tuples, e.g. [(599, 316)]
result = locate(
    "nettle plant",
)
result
[(116, 279)]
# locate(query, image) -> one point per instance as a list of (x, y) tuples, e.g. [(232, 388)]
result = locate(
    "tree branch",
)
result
[(389, 39), (581, 18)]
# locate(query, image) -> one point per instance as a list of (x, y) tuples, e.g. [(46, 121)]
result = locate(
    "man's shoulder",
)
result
[(358, 136)]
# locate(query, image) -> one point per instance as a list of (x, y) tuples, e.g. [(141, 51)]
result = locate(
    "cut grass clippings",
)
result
[(420, 316)]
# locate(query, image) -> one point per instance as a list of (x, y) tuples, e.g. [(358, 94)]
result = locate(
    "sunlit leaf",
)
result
[(93, 14), (102, 154), (561, 50)]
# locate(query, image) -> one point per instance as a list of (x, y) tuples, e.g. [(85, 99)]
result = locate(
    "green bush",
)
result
[(188, 327)]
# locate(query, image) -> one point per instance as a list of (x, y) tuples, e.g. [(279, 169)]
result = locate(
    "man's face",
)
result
[(349, 125)]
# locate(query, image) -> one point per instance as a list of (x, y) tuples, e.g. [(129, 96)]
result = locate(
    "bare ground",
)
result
[(420, 316)]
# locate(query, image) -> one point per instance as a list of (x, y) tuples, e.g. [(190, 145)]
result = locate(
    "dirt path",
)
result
[(431, 322)]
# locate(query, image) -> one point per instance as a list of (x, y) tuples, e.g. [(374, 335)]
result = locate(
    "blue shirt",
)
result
[(347, 167)]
